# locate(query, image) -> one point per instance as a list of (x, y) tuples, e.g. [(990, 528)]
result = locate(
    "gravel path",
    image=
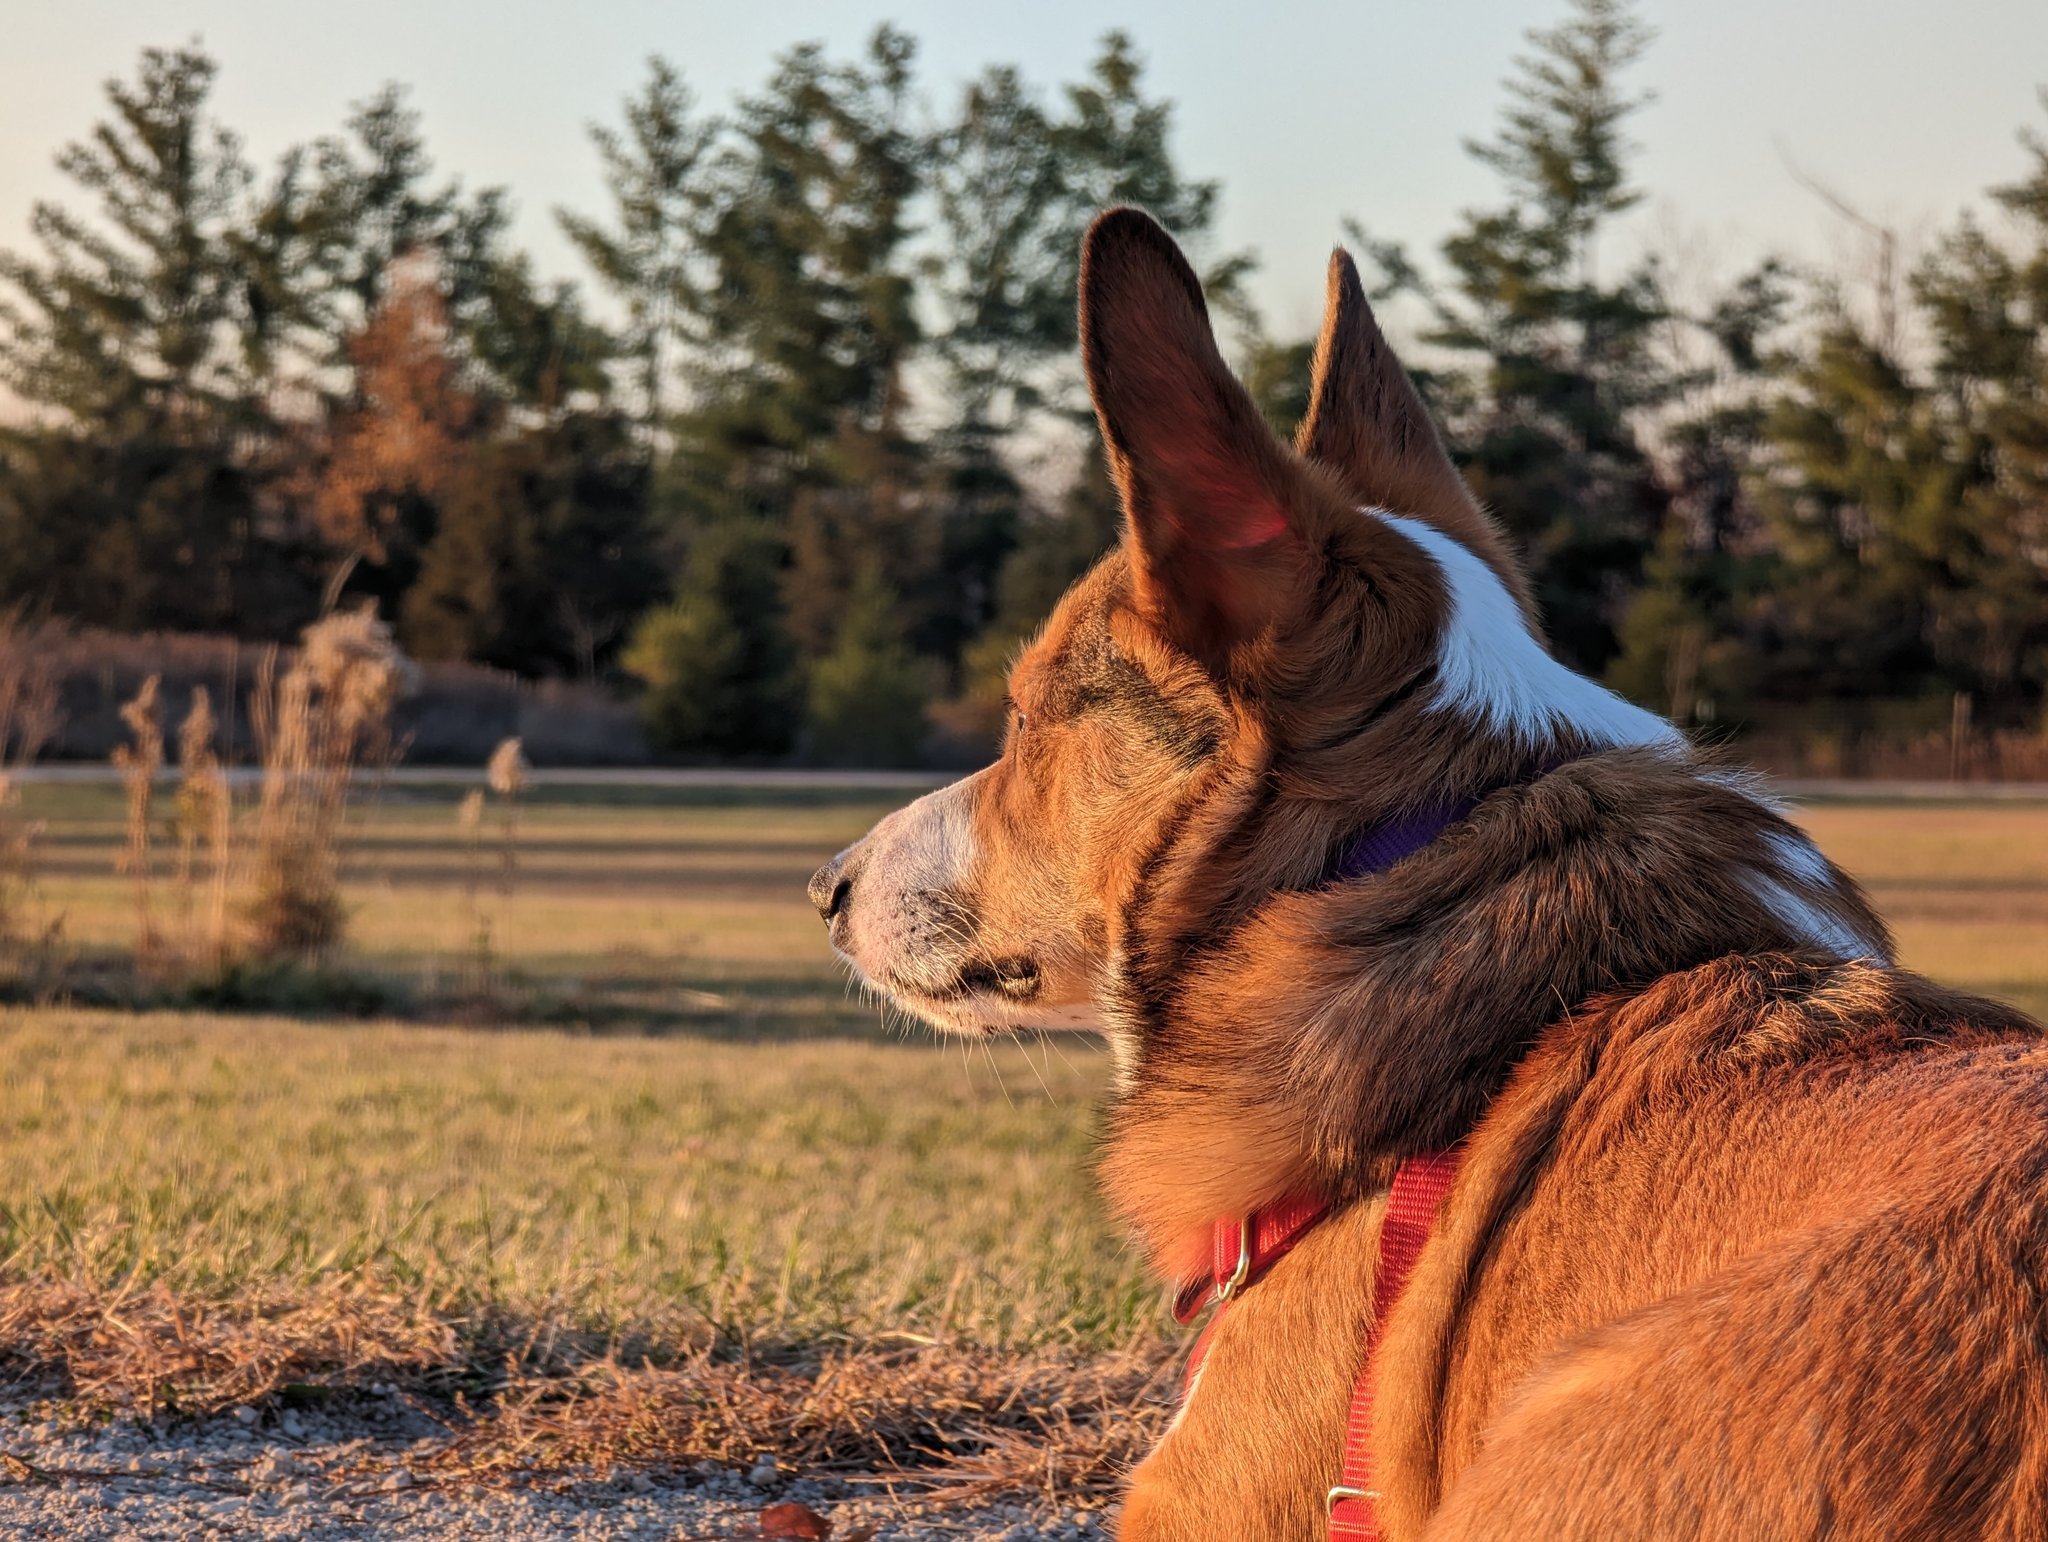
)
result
[(332, 1475)]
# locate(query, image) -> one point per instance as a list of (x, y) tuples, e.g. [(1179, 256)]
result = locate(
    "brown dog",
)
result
[(1750, 1229)]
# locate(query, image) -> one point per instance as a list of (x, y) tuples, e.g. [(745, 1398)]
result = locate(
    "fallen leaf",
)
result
[(799, 1523)]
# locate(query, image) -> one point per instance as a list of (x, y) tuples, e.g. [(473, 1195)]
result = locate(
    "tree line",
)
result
[(804, 453)]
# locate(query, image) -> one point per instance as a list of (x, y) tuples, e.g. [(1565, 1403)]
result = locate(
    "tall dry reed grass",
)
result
[(139, 761), (205, 835), (319, 724), (201, 826), (31, 711), (505, 778)]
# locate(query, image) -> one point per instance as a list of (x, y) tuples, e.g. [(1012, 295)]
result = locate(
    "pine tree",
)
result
[(867, 696), (650, 257), (721, 676), (812, 320), (478, 576), (370, 204), (796, 426), (1986, 307), (1567, 358), (1015, 185), (137, 311), (1684, 641), (1030, 182), (127, 500), (1861, 462), (1003, 272)]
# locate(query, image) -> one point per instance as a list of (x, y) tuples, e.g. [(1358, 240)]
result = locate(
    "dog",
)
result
[(1738, 1230)]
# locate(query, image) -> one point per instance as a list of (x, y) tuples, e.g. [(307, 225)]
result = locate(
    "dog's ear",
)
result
[(1207, 488), (1367, 423)]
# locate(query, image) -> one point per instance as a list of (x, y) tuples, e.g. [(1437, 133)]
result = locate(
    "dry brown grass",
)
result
[(520, 1401), (147, 1351), (31, 705), (957, 1423), (506, 775)]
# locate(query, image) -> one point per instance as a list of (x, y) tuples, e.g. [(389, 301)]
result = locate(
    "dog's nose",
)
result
[(829, 888)]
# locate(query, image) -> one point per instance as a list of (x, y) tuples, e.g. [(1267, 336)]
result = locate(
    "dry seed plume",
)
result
[(326, 717)]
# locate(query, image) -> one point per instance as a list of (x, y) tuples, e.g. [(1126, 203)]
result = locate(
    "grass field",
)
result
[(742, 1149)]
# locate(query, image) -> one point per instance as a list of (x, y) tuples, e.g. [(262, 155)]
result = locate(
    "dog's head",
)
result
[(1288, 643)]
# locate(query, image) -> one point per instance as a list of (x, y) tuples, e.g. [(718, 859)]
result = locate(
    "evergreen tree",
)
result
[(1019, 185), (867, 696), (1015, 185), (1907, 505), (126, 499), (1005, 320), (1986, 307), (1566, 358), (649, 258), (478, 576), (1003, 272), (1684, 644), (721, 676), (540, 560), (1861, 465), (370, 203), (812, 319), (797, 412)]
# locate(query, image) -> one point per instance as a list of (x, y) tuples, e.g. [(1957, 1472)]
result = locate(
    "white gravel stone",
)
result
[(356, 1480)]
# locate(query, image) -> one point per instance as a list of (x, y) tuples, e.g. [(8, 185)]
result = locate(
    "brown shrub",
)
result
[(455, 716)]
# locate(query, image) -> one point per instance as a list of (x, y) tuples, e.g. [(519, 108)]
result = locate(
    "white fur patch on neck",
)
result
[(1490, 665), (1799, 860)]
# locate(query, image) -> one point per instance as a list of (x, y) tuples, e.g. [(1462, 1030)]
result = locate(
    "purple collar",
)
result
[(1378, 847)]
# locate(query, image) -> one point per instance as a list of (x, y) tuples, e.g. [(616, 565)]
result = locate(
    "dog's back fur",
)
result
[(1746, 1237)]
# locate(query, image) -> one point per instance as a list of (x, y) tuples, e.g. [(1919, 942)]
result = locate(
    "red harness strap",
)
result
[(1241, 1250), (1420, 1185), (1245, 1248)]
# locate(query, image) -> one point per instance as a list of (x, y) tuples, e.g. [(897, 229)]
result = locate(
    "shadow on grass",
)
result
[(647, 1002)]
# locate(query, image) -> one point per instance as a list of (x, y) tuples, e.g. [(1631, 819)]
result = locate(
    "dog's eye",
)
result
[(1018, 718)]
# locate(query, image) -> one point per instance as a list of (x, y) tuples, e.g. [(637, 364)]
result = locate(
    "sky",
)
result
[(1307, 113)]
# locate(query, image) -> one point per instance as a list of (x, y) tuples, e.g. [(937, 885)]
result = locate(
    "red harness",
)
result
[(1245, 1248)]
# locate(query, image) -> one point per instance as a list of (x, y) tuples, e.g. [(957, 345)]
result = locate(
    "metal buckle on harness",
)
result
[(1340, 1493), (1235, 1283)]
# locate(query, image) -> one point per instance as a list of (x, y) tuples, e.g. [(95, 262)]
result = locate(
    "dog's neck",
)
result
[(1314, 1037)]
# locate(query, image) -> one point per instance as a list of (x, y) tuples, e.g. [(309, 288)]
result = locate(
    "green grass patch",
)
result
[(676, 1106), (796, 1191)]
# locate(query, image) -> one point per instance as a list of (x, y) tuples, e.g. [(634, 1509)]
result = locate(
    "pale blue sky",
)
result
[(1306, 112)]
